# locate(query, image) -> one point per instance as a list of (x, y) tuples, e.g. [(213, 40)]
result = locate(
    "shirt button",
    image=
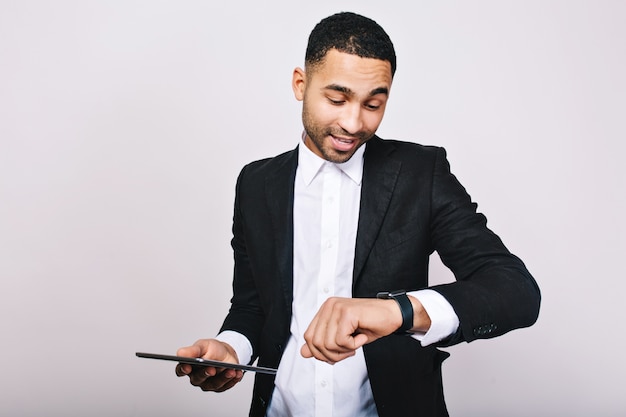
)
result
[(326, 290), (323, 384)]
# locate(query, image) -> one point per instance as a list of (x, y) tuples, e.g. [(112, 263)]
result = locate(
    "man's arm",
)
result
[(233, 344), (245, 315), (493, 292)]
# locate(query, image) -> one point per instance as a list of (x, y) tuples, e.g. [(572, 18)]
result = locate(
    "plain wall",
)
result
[(123, 126)]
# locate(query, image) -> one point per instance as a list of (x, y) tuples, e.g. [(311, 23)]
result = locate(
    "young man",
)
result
[(327, 238)]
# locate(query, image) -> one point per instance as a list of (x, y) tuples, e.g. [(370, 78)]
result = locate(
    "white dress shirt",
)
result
[(326, 211)]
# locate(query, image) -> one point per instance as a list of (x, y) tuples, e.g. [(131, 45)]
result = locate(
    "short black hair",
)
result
[(350, 33)]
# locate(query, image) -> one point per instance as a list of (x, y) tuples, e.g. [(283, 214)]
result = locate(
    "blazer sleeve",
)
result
[(246, 315), (494, 292)]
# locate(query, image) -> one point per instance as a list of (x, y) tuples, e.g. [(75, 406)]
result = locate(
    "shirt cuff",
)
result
[(239, 343), (443, 320)]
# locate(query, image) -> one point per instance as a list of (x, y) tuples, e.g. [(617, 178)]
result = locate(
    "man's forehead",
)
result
[(342, 69), (334, 54)]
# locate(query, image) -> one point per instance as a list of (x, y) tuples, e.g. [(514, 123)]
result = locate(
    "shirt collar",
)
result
[(309, 164)]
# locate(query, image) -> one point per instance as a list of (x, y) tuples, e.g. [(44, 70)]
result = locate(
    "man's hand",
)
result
[(210, 378), (342, 325)]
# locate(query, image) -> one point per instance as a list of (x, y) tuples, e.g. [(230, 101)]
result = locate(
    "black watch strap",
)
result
[(406, 308)]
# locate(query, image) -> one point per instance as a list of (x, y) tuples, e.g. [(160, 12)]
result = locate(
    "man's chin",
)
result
[(338, 157)]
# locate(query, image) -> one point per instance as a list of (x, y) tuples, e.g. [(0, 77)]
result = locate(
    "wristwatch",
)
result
[(406, 308)]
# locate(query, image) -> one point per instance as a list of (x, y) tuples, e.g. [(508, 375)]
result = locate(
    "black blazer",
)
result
[(411, 205)]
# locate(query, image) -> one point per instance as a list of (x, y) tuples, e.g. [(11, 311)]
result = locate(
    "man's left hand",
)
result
[(342, 325)]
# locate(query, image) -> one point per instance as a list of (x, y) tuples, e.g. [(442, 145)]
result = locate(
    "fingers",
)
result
[(325, 355), (342, 325), (213, 379), (331, 335), (209, 378), (229, 378), (183, 369), (197, 350)]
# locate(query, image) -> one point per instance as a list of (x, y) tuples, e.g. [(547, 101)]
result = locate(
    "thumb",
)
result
[(359, 340), (305, 351), (190, 352)]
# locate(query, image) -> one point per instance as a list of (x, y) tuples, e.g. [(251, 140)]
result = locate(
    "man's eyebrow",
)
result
[(380, 90), (349, 92), (340, 89)]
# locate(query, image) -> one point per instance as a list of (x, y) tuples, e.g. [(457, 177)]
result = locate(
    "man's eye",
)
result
[(372, 106), (336, 102)]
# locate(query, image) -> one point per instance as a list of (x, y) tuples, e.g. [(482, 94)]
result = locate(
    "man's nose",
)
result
[(351, 119)]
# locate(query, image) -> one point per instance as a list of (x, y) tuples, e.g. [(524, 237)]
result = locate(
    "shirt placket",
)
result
[(329, 247)]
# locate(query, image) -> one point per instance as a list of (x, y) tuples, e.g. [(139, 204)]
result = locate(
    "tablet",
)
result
[(207, 362)]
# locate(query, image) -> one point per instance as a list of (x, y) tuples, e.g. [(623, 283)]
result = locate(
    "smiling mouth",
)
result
[(344, 144), (345, 140)]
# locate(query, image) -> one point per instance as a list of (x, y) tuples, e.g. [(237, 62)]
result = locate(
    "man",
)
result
[(321, 230)]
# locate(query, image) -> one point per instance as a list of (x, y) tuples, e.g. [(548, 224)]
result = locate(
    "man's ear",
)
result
[(298, 83)]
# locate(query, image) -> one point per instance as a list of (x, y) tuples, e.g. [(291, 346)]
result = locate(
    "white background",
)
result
[(123, 125)]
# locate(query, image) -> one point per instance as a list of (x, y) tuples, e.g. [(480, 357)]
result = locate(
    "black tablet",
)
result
[(207, 362)]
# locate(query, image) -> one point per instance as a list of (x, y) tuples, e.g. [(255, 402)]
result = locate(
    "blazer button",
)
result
[(279, 347), (260, 400)]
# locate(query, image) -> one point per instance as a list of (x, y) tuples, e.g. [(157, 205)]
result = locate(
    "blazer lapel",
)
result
[(380, 173), (279, 187)]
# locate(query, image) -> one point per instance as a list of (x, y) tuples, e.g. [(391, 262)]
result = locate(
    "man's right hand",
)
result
[(210, 378)]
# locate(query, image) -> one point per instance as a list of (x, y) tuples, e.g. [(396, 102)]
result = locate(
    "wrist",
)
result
[(231, 352), (421, 319), (406, 308)]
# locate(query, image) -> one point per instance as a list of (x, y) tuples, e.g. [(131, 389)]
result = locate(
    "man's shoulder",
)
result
[(402, 149), (266, 166), (274, 161)]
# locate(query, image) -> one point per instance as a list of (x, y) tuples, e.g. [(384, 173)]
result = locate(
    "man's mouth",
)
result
[(343, 144)]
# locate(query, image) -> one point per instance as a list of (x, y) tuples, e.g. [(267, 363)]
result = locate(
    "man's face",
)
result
[(344, 100)]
